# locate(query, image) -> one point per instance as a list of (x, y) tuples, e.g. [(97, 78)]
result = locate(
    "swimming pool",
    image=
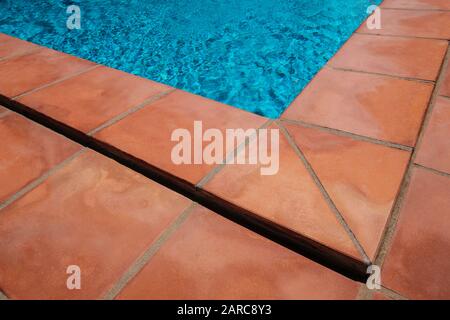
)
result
[(256, 55)]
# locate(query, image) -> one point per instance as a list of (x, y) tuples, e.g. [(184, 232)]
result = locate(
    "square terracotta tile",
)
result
[(434, 150), (375, 106), (147, 133), (87, 101), (93, 213), (289, 198), (3, 110), (419, 259), (210, 257), (11, 46), (25, 72), (27, 151), (396, 56), (444, 90), (427, 24), (417, 4), (362, 179)]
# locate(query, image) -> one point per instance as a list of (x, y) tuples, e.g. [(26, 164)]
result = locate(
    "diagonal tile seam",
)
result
[(388, 234), (438, 172), (324, 192), (230, 156), (21, 53), (398, 36), (380, 74), (348, 134), (5, 113), (36, 182), (132, 110), (446, 97), (365, 293), (148, 253), (72, 75)]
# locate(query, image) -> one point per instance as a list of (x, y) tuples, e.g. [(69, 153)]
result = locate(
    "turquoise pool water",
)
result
[(256, 55)]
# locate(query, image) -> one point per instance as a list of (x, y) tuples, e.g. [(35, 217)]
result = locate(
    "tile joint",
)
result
[(324, 192)]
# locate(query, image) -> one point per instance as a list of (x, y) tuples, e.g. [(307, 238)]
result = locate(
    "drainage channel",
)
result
[(343, 264)]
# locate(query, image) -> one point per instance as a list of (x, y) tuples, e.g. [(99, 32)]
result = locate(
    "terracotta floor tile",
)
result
[(404, 57), (146, 134), (417, 4), (427, 24), (92, 98), (210, 257), (444, 90), (419, 259), (380, 107), (434, 151), (3, 110), (42, 66), (93, 213), (361, 178), (291, 198), (27, 151), (12, 46)]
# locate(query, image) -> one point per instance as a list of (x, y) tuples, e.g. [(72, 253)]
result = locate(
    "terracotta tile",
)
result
[(146, 134), (291, 198), (27, 151), (380, 296), (92, 98), (419, 259), (417, 4), (379, 107), (11, 46), (361, 178), (427, 24), (404, 57), (42, 66), (210, 257), (93, 213), (3, 110), (444, 90), (434, 151)]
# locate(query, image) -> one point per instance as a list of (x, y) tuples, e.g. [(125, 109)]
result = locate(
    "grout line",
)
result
[(140, 262), (5, 113), (398, 36), (30, 186), (435, 171), (3, 296), (55, 82), (348, 134), (131, 111), (414, 9), (379, 74), (392, 294), (446, 97), (322, 189), (230, 156), (22, 53), (388, 234)]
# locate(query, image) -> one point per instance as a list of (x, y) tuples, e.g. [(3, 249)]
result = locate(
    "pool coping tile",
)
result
[(416, 4)]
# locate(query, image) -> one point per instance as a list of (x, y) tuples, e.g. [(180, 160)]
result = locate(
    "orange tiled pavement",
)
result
[(348, 166)]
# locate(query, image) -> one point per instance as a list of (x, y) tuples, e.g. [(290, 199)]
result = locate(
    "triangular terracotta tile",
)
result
[(290, 198), (361, 178)]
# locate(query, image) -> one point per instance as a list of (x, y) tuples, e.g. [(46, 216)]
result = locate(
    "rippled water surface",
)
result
[(256, 55)]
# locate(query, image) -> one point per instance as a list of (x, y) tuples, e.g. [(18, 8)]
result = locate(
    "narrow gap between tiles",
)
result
[(324, 193), (388, 234), (146, 256), (397, 36)]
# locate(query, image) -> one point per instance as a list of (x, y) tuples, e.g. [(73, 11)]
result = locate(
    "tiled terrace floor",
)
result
[(364, 178)]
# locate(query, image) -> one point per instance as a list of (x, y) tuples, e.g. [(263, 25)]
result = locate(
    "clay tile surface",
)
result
[(417, 4), (419, 259), (28, 151), (291, 198), (434, 150), (375, 106), (10, 46), (43, 66), (87, 101), (147, 133), (92, 213), (210, 257), (395, 56), (361, 178)]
